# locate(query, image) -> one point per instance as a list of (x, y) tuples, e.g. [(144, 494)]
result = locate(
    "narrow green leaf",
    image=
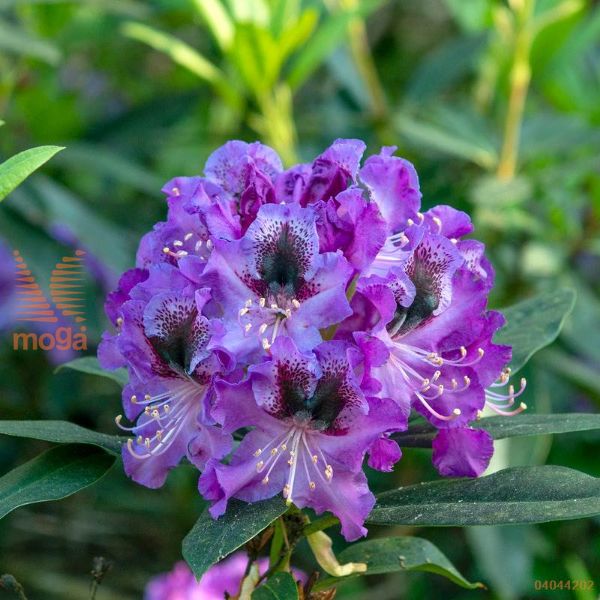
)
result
[(104, 239), (61, 432), (54, 475), (389, 555), (183, 55), (90, 364), (444, 67), (516, 495), (217, 20), (572, 368), (18, 41), (295, 35), (17, 168), (94, 158), (437, 137), (279, 587), (534, 323), (328, 36), (211, 540), (284, 13), (127, 8), (421, 436)]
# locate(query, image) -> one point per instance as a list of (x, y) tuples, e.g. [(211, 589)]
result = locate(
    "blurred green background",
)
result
[(496, 103)]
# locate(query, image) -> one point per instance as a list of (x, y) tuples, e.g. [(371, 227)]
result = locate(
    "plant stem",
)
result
[(320, 524), (520, 77), (363, 59), (361, 53), (276, 122)]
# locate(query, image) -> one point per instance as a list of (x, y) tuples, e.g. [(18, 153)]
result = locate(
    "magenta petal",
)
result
[(462, 452), (384, 454), (394, 186)]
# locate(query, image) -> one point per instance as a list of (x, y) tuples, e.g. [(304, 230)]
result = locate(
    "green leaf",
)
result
[(217, 20), (328, 36), (279, 587), (534, 323), (466, 142), (82, 157), (211, 540), (516, 495), (421, 436), (183, 55), (572, 368), (90, 364), (443, 67), (389, 555), (61, 432), (17, 168), (18, 41), (106, 240), (54, 475)]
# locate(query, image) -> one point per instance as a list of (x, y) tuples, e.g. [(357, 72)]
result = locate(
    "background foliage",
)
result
[(496, 103)]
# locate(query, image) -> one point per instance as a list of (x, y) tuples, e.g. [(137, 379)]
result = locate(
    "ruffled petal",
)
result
[(462, 452), (394, 186)]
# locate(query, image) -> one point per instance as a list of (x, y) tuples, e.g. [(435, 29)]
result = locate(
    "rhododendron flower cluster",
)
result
[(281, 325)]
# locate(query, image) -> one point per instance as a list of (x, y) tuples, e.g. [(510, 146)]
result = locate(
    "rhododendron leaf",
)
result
[(516, 495), (279, 587), (534, 323), (211, 540), (89, 364), (329, 35), (421, 436), (389, 555), (17, 168), (54, 475), (62, 432)]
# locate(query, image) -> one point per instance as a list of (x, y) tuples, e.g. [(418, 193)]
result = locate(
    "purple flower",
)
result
[(393, 185), (432, 347), (167, 344), (308, 310), (274, 281), (351, 224), (312, 425), (198, 209), (7, 287), (223, 578), (333, 171)]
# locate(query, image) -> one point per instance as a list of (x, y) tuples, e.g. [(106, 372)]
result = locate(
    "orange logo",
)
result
[(66, 295)]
